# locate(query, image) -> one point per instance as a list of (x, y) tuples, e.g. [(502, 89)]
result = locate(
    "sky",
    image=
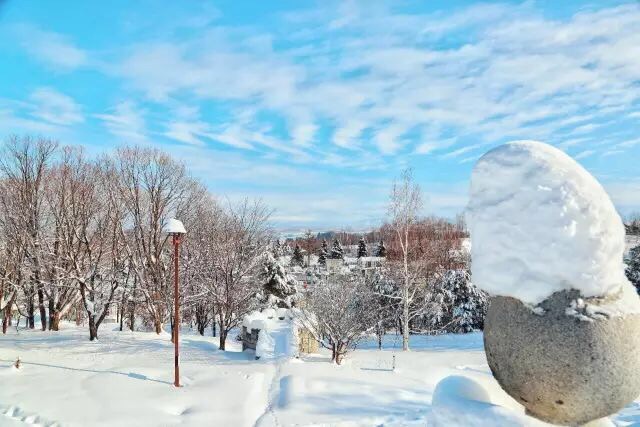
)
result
[(315, 107)]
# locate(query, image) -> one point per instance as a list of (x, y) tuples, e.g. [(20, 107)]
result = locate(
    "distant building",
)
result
[(371, 262)]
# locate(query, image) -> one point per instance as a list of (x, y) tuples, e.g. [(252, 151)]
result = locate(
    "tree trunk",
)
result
[(223, 339), (54, 321), (213, 322), (405, 316), (5, 322), (93, 328), (52, 311), (341, 350), (43, 311), (31, 318), (157, 324)]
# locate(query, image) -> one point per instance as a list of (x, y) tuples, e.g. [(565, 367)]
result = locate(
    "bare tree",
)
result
[(89, 222), (152, 188), (238, 241), (25, 163), (404, 206), (339, 311)]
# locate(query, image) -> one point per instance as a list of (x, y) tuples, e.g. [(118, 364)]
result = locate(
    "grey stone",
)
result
[(564, 369)]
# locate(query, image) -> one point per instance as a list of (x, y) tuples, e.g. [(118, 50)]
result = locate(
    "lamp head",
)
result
[(175, 227)]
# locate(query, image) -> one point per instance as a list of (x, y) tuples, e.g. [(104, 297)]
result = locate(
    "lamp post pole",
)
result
[(175, 229), (176, 319)]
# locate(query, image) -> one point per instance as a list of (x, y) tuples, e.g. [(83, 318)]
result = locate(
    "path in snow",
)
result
[(280, 334)]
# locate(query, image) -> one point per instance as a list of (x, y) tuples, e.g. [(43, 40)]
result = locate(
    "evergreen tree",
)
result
[(279, 288), (277, 248), (362, 248), (381, 251), (324, 253), (297, 258), (633, 267), (336, 250), (456, 304)]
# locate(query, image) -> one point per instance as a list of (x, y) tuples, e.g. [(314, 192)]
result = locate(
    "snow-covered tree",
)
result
[(339, 312), (279, 288), (381, 250), (362, 248), (297, 258), (152, 187), (336, 250), (633, 267), (455, 304), (278, 248), (324, 253), (404, 207)]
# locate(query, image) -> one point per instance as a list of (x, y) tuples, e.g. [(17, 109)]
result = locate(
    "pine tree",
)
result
[(362, 248), (381, 251), (633, 267), (324, 253), (279, 288), (297, 258), (456, 304), (336, 250), (277, 249)]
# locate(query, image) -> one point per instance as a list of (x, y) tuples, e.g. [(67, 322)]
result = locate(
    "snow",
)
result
[(265, 348), (540, 223), (126, 379), (465, 401), (174, 226)]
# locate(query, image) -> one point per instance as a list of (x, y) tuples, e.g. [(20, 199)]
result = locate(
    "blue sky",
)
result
[(315, 107)]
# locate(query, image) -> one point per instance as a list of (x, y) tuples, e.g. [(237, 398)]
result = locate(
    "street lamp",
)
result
[(175, 229)]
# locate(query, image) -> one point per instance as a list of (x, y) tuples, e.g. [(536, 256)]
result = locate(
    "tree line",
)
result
[(80, 234)]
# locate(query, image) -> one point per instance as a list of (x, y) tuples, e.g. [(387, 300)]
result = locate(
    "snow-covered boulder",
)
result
[(561, 334)]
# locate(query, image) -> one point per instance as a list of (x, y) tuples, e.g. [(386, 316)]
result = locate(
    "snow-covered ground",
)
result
[(125, 379)]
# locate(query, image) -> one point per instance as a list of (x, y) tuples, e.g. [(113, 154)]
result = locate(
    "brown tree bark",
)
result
[(54, 321)]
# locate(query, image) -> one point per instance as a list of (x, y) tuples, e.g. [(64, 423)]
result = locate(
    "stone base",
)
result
[(564, 369)]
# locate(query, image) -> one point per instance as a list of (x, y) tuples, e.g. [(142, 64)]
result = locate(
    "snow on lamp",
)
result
[(562, 333)]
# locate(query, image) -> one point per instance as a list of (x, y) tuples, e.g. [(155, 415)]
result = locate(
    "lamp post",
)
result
[(176, 229)]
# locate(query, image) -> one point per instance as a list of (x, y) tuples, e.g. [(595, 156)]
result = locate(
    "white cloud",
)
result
[(125, 121), (55, 107), (187, 132), (584, 154), (513, 74), (52, 48), (302, 134)]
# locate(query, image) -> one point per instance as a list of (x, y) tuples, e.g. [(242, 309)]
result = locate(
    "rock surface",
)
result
[(564, 368)]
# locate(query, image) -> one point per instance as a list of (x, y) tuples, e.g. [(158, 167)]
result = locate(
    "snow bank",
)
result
[(540, 223), (463, 401)]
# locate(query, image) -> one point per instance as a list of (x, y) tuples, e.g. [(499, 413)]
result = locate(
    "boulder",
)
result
[(565, 361)]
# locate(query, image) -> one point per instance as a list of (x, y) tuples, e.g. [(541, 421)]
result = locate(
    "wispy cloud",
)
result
[(55, 107), (506, 77), (126, 122), (55, 50)]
